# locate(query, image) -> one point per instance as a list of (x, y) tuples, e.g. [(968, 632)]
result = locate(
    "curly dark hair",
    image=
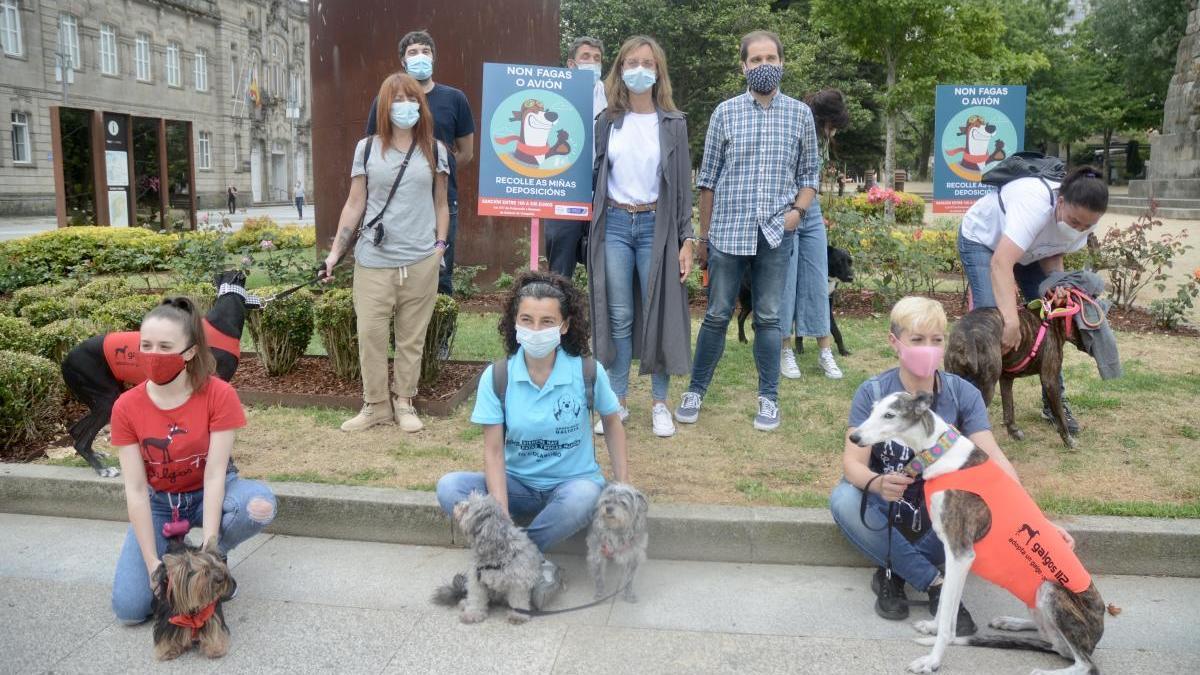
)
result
[(571, 301), (828, 107)]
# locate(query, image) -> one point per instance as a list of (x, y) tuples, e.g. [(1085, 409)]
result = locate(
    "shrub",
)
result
[(110, 250), (579, 278), (16, 272), (105, 289), (439, 339), (17, 335), (57, 338), (504, 282), (259, 223), (694, 283), (42, 312), (33, 393), (32, 294), (463, 280), (280, 237), (910, 209), (1170, 312), (282, 329), (199, 256), (334, 319), (1134, 259), (202, 295), (125, 313)]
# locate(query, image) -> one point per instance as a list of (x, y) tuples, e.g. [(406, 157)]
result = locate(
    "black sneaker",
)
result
[(965, 625), (890, 601), (1072, 423)]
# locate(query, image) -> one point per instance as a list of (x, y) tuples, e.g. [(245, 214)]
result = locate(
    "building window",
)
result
[(67, 47), (20, 138), (204, 150), (10, 27), (141, 57), (173, 64), (201, 68), (108, 50)]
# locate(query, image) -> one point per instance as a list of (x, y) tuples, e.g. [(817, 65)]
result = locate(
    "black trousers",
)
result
[(562, 245)]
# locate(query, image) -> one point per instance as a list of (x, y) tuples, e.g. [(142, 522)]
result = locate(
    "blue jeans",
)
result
[(768, 271), (628, 252), (446, 274), (917, 562), (557, 513), (977, 264), (131, 595), (804, 310)]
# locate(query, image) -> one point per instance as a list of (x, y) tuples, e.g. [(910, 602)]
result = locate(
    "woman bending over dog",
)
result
[(1013, 237), (917, 333), (174, 433), (538, 457)]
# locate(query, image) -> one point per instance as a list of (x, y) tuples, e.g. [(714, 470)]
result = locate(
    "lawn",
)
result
[(1136, 454)]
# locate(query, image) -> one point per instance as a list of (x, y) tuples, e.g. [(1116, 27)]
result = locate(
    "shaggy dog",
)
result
[(504, 563), (618, 535), (189, 588)]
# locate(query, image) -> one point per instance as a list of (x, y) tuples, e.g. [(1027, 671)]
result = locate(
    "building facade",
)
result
[(237, 70)]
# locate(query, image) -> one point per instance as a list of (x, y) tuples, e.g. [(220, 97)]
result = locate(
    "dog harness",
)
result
[(121, 350), (1022, 548), (1074, 305)]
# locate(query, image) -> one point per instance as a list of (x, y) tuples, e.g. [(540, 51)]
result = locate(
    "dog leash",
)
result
[(548, 612), (1073, 306), (890, 527), (288, 291)]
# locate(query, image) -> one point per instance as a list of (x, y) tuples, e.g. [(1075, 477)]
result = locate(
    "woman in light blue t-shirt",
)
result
[(538, 458)]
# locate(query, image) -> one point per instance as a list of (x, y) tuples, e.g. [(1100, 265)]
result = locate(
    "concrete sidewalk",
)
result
[(16, 227), (320, 605)]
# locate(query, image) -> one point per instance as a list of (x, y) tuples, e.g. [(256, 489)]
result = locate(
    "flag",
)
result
[(253, 91)]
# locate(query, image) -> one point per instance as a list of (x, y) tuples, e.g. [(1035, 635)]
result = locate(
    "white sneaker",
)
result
[(787, 364), (829, 365), (661, 421), (599, 428)]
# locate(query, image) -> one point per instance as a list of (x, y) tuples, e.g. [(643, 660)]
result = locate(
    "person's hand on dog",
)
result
[(892, 485), (153, 570), (1065, 535), (1010, 338)]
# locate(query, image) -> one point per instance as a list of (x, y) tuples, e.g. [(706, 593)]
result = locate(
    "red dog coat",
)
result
[(121, 351), (1022, 549)]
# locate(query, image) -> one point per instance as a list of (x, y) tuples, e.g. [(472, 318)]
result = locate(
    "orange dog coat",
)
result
[(121, 351), (1022, 549)]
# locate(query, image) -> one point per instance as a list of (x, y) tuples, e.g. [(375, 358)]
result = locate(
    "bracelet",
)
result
[(441, 243)]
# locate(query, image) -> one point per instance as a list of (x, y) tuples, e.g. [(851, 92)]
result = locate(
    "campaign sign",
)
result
[(536, 150), (975, 127)]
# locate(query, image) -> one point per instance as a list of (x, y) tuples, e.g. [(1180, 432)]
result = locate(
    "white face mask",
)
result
[(405, 114), (539, 343)]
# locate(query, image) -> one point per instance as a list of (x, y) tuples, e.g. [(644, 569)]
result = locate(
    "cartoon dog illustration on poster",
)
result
[(975, 140), (978, 136), (537, 134), (533, 142)]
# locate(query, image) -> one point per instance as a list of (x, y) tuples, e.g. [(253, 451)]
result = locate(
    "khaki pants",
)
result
[(404, 296)]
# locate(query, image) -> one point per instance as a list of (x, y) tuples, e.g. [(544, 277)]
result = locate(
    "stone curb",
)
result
[(740, 534)]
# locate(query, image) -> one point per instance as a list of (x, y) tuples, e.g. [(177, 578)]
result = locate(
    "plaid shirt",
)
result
[(756, 160)]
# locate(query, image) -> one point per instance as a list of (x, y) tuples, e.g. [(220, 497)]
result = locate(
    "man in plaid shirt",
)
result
[(758, 177)]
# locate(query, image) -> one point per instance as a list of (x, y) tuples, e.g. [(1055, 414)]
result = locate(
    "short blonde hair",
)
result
[(917, 314)]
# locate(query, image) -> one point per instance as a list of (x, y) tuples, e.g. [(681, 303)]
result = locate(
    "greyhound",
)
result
[(981, 514)]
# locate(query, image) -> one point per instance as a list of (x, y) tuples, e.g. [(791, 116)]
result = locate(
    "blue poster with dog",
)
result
[(536, 146), (975, 127)]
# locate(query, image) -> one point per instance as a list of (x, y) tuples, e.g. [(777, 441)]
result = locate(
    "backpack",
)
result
[(1027, 164), (500, 384)]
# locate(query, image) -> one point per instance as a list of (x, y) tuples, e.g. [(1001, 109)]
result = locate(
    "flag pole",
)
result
[(535, 226)]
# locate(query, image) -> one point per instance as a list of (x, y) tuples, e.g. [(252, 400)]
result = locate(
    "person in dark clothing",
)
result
[(453, 125), (231, 195)]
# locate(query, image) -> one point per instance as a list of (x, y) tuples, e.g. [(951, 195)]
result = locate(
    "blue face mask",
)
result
[(405, 114), (639, 79), (420, 66), (539, 343)]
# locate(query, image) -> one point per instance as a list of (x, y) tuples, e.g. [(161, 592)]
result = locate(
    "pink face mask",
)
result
[(920, 360)]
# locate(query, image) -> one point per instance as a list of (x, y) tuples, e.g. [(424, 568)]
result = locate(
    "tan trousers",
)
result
[(404, 296)]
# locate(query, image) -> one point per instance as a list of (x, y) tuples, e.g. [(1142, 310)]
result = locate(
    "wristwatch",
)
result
[(797, 209)]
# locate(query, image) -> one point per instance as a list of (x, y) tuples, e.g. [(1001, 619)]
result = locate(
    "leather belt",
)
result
[(633, 208)]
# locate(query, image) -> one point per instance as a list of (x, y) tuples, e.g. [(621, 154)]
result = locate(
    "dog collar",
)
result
[(923, 459)]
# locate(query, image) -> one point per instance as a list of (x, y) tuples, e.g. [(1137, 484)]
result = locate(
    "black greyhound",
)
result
[(841, 269), (90, 377)]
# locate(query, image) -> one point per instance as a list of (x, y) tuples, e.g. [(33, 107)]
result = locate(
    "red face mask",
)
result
[(162, 368)]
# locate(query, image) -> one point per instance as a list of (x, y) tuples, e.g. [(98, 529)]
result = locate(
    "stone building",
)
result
[(237, 70)]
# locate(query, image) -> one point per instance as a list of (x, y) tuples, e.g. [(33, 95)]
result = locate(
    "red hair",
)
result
[(403, 83)]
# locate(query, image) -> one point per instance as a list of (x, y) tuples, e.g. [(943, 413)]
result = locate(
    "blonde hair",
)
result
[(917, 314), (618, 93)]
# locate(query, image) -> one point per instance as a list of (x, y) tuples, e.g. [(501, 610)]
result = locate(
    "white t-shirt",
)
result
[(1028, 220), (633, 157)]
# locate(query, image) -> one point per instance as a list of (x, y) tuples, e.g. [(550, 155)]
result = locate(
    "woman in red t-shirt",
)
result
[(175, 432)]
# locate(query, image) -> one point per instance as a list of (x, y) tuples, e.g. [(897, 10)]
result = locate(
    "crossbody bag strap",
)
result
[(500, 387), (396, 184)]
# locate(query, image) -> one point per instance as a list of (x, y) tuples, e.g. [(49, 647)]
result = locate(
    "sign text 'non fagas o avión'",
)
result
[(538, 77)]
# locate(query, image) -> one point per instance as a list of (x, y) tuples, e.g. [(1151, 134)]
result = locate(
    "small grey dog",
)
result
[(618, 535), (504, 563)]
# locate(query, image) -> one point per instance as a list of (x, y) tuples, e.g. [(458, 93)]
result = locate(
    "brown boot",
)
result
[(370, 415)]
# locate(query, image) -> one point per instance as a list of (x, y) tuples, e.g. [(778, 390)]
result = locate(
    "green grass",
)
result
[(756, 491), (1075, 506)]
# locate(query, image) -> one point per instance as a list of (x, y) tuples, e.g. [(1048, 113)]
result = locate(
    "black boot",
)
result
[(1048, 415), (965, 625), (890, 601)]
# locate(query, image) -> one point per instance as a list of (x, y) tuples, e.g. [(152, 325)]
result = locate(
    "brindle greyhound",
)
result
[(1070, 623), (973, 352)]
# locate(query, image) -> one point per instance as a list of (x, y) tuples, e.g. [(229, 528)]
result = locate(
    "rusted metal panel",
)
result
[(353, 47)]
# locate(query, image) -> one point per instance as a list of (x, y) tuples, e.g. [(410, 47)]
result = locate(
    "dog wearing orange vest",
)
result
[(990, 525), (98, 370)]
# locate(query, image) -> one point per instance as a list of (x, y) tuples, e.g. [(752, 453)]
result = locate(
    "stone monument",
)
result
[(1174, 170)]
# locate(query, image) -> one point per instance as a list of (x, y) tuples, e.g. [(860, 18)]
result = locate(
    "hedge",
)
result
[(33, 393), (335, 321), (125, 313), (57, 338), (17, 335), (282, 329)]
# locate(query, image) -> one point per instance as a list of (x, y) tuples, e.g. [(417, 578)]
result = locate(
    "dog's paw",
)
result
[(1016, 434), (1012, 623), (1071, 442), (472, 616), (516, 618), (925, 664), (101, 454), (926, 627), (926, 641), (110, 472)]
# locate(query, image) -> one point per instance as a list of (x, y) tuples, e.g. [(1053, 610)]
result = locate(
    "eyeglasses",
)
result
[(648, 64)]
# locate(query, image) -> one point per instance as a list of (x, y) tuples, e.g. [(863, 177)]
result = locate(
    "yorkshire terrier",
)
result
[(189, 588), (618, 536)]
